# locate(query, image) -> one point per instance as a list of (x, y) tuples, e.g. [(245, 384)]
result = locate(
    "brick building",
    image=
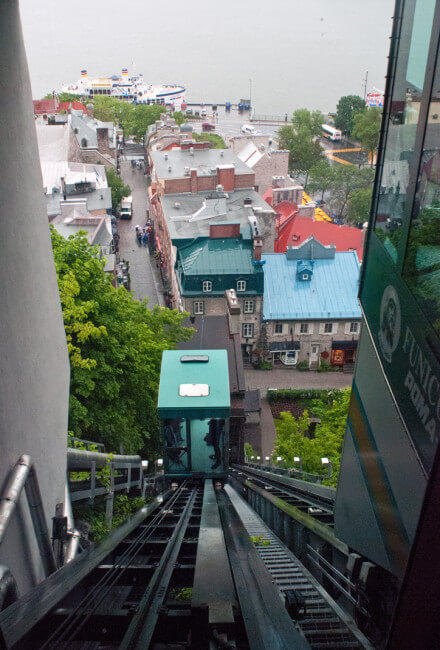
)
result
[(258, 154), (311, 311), (199, 168)]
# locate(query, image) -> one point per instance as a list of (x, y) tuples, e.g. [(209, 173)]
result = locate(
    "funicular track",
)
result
[(196, 541)]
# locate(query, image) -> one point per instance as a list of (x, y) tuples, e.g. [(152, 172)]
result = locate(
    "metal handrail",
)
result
[(24, 476)]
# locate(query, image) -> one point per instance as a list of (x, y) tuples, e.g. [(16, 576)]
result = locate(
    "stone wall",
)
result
[(274, 164), (90, 156)]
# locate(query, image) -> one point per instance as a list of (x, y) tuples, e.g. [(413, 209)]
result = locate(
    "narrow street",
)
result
[(145, 278)]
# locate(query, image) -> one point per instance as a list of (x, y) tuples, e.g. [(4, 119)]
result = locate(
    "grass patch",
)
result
[(216, 141)]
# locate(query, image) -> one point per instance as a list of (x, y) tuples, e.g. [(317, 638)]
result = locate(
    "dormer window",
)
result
[(241, 285), (207, 286), (304, 270)]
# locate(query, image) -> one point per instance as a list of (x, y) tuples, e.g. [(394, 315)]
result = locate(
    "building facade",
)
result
[(311, 313)]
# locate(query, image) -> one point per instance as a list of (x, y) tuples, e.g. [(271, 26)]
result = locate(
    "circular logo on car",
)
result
[(389, 332)]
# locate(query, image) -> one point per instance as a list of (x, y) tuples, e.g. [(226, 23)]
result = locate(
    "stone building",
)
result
[(311, 311), (90, 140), (257, 152)]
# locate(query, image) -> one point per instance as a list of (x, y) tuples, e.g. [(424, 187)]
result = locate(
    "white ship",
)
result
[(133, 89)]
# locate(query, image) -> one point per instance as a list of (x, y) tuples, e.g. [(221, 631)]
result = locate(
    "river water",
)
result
[(288, 54)]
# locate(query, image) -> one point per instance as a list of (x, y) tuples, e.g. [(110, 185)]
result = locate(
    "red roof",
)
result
[(48, 106), (77, 106), (43, 106), (294, 231)]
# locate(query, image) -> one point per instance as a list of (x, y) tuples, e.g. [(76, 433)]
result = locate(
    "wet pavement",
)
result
[(292, 378), (145, 280)]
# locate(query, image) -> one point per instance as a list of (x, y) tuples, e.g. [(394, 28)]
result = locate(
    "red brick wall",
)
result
[(206, 183), (225, 177), (244, 180), (217, 231), (176, 185)]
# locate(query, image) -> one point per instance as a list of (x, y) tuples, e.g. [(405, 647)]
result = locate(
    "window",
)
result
[(198, 307), (247, 330), (241, 285), (278, 328), (328, 328), (304, 328), (248, 307), (305, 276), (207, 286), (354, 327)]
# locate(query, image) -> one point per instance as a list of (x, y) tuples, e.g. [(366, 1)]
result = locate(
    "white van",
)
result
[(248, 129)]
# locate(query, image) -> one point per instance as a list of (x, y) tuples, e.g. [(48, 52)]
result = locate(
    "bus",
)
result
[(331, 133)]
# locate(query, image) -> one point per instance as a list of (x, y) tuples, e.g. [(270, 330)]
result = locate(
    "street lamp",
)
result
[(258, 458), (297, 459), (267, 459)]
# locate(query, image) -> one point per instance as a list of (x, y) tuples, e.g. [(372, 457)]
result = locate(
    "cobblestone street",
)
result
[(145, 278)]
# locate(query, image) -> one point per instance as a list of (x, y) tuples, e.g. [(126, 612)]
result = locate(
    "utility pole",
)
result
[(365, 85)]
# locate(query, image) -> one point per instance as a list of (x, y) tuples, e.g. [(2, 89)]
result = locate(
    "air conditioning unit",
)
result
[(219, 188), (186, 171)]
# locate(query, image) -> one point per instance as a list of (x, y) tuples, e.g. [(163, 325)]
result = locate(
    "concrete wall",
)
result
[(34, 377)]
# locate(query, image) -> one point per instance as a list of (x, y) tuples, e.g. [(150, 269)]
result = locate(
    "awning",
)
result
[(284, 346), (344, 345)]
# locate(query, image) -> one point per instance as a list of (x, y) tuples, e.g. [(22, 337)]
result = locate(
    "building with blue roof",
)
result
[(310, 307)]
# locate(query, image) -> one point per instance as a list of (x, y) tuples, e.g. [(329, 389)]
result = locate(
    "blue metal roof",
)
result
[(331, 292)]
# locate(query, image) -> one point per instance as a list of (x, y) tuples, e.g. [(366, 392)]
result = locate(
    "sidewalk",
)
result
[(291, 378)]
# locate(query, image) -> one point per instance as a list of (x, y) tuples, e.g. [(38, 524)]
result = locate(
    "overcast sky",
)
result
[(297, 52)]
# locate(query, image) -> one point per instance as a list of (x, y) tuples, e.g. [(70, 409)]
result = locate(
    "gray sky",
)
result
[(298, 53)]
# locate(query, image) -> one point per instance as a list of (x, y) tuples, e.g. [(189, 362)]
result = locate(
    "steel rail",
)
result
[(99, 591), (141, 628)]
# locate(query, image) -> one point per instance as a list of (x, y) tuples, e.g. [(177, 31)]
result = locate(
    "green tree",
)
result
[(348, 179), (179, 117), (346, 109), (358, 207), (118, 188), (366, 129), (140, 118), (64, 97), (301, 140), (115, 345), (329, 437), (321, 178)]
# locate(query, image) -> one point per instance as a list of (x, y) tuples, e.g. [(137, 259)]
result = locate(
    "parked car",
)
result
[(197, 113), (189, 111), (248, 129), (207, 126), (203, 112)]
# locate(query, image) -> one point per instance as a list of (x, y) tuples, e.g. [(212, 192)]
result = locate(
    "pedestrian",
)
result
[(145, 238), (139, 238)]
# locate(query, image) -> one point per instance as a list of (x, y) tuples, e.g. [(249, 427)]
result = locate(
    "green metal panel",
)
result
[(213, 372)]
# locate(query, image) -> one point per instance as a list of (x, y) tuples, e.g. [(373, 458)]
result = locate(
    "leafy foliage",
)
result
[(64, 97), (123, 507), (329, 435), (301, 140), (115, 345), (179, 117), (118, 188), (358, 208), (366, 129), (249, 450), (133, 119), (347, 179), (348, 106), (321, 178), (216, 140)]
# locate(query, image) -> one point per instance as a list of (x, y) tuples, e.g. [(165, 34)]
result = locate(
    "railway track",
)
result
[(184, 573)]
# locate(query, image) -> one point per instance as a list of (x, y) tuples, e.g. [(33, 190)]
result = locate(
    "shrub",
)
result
[(302, 365)]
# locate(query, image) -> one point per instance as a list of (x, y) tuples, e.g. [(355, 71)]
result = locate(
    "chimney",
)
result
[(258, 247), (193, 181), (224, 230), (233, 311), (90, 110)]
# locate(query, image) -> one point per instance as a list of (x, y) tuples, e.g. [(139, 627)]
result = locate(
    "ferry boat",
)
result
[(132, 89)]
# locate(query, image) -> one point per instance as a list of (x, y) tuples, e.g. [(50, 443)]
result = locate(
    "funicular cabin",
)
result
[(194, 409)]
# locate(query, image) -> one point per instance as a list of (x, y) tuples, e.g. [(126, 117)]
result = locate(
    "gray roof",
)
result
[(205, 160), (195, 212), (85, 127), (53, 141)]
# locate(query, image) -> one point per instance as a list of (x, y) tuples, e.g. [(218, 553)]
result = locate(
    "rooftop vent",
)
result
[(248, 201), (221, 154), (166, 156), (219, 188), (194, 358), (186, 171), (177, 205), (169, 168), (191, 151), (194, 390)]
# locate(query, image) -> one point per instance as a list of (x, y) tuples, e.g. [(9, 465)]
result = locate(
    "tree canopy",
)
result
[(329, 436), (301, 140), (134, 119), (115, 345), (179, 117), (321, 178), (366, 129), (346, 109), (358, 208), (118, 188), (347, 179)]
